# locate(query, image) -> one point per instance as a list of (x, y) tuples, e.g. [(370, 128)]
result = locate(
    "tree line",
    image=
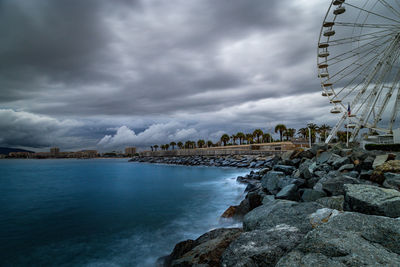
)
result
[(258, 136)]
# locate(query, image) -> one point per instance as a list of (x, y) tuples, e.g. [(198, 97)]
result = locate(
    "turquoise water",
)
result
[(106, 212)]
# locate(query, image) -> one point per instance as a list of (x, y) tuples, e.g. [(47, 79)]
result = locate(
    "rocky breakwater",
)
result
[(238, 161), (317, 207)]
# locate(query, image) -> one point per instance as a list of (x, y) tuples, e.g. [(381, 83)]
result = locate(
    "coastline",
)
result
[(295, 207)]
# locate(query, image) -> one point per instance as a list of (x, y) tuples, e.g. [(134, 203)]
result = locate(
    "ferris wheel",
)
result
[(358, 64)]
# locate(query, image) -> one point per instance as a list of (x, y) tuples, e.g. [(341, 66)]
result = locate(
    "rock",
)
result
[(180, 249), (229, 212), (346, 167), (320, 173), (254, 199), (307, 153), (311, 195), (334, 186), (287, 155), (349, 239), (296, 162), (365, 175), (285, 181), (369, 199), (318, 147), (353, 174), (379, 160), (313, 167), (242, 209), (310, 183), (288, 192), (322, 216), (340, 162), (251, 187), (378, 175), (261, 247), (264, 171), (208, 248), (335, 202), (268, 199), (392, 180), (324, 157), (270, 181), (278, 212), (288, 170), (304, 169), (296, 174), (367, 163)]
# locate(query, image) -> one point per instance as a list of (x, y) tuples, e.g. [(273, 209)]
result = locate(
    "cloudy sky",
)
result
[(106, 74)]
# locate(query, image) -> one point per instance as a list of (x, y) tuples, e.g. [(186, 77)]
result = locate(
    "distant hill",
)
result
[(6, 150)]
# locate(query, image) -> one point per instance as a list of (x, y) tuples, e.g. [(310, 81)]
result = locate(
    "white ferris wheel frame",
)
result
[(368, 98)]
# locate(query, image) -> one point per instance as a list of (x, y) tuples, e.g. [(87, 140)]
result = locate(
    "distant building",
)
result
[(130, 151), (20, 154)]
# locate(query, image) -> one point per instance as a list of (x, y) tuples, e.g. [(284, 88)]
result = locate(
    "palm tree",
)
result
[(162, 147), (266, 138), (151, 148), (234, 137), (258, 133), (209, 143), (314, 129), (290, 133), (200, 143), (173, 144), (249, 138), (303, 132), (188, 144), (342, 136), (166, 146), (180, 145), (155, 147), (225, 138), (281, 128), (323, 130), (241, 137)]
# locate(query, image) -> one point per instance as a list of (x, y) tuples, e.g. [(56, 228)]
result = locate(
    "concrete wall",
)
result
[(208, 152)]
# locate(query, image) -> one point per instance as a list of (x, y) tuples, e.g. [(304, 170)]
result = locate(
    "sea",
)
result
[(107, 212)]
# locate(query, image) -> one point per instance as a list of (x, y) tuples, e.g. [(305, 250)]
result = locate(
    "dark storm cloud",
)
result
[(143, 63), (170, 49)]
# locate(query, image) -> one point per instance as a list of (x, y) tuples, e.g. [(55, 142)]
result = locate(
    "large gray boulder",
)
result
[(340, 162), (304, 169), (206, 250), (379, 160), (349, 239), (371, 199), (367, 163), (270, 181), (288, 170), (311, 195), (288, 192), (392, 180), (261, 247), (335, 202), (324, 157), (334, 186), (278, 212), (346, 167)]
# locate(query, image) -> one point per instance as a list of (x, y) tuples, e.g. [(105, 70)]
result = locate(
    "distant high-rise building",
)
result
[(54, 151), (130, 151)]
